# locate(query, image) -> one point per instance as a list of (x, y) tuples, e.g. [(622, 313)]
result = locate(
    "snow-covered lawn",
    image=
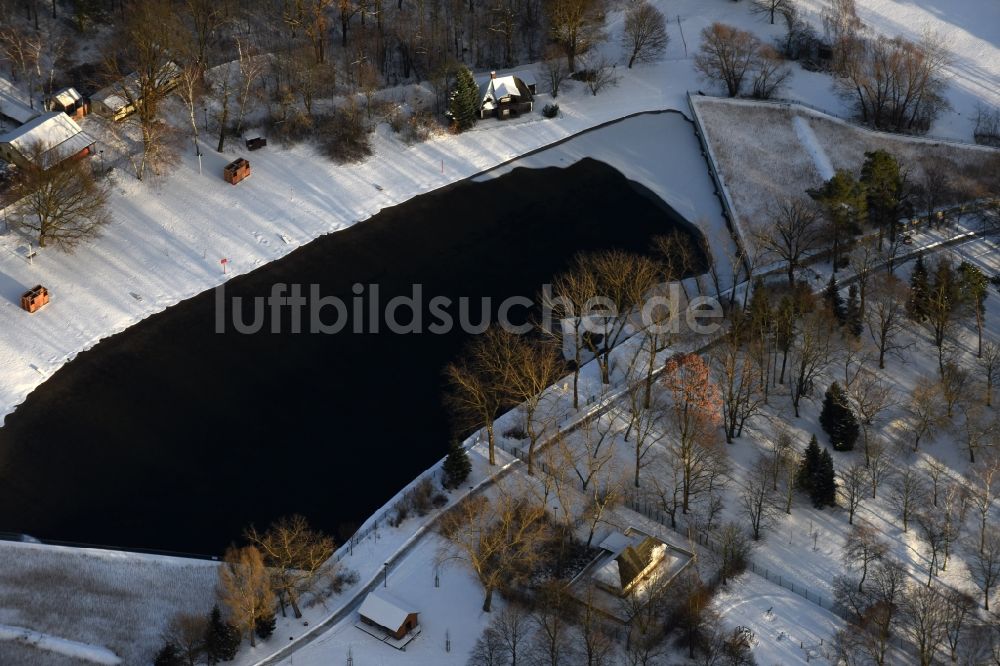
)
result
[(787, 629), (769, 152)]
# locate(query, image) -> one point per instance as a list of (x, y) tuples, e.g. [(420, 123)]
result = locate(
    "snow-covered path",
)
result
[(812, 146)]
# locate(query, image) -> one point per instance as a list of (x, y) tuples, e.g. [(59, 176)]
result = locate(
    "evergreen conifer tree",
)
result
[(456, 465), (824, 491), (834, 300), (844, 205), (853, 315), (221, 638), (808, 466), (463, 107), (838, 419), (916, 305), (264, 626), (884, 187), (169, 655)]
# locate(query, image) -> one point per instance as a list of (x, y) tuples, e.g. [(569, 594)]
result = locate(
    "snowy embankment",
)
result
[(93, 604), (93, 654)]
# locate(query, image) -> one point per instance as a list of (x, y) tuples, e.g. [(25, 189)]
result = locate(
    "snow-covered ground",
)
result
[(969, 29), (787, 629), (169, 236)]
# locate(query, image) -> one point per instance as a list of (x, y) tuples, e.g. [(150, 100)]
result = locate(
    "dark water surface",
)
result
[(171, 436)]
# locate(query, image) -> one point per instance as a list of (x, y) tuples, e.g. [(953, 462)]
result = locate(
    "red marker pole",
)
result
[(224, 261)]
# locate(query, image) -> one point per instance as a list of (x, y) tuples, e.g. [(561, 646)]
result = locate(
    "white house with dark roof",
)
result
[(45, 141)]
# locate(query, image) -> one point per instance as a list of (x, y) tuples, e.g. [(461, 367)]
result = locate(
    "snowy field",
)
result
[(769, 152), (787, 629), (93, 604)]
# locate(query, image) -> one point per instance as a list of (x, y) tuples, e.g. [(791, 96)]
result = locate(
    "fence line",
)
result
[(651, 511)]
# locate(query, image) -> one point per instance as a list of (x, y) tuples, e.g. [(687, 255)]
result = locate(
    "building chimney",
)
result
[(493, 75)]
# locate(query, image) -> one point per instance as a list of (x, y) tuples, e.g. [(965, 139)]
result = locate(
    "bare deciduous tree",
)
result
[(863, 549), (645, 33), (792, 231), (534, 366), (886, 317), (984, 564), (758, 498), (989, 364), (576, 26), (726, 56), (924, 614), (297, 556), (62, 204), (810, 354), (907, 494), (245, 589), (852, 488), (924, 408), (477, 383), (498, 539)]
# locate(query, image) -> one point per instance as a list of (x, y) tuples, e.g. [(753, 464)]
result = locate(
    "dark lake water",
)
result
[(172, 436)]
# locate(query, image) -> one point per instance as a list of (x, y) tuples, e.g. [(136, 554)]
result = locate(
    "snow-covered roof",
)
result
[(496, 88), (385, 610), (114, 96), (15, 109), (67, 97), (526, 75), (58, 135)]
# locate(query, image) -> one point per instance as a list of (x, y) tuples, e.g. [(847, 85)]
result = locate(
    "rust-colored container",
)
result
[(35, 298), (236, 171)]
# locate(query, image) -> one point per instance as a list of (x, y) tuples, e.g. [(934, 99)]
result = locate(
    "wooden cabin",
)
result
[(45, 141), (236, 171), (35, 298), (384, 611)]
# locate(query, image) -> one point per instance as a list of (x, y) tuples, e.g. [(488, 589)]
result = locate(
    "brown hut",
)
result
[(236, 171), (391, 615)]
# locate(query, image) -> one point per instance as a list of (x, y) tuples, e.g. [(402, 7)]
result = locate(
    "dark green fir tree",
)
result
[(838, 419), (833, 299), (853, 317), (456, 465), (463, 106), (222, 640)]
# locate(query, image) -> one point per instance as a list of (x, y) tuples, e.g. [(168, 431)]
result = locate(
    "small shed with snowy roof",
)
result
[(45, 141), (505, 96), (70, 102), (388, 613)]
